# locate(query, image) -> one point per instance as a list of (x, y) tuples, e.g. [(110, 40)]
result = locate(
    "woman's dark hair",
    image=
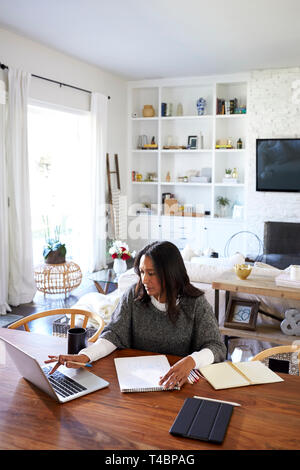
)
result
[(171, 271)]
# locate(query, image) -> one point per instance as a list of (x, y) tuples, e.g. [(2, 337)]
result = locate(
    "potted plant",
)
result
[(223, 202), (54, 252), (120, 253)]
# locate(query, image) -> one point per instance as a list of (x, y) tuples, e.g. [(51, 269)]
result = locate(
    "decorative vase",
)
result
[(179, 111), (201, 103), (148, 110), (223, 211), (119, 266)]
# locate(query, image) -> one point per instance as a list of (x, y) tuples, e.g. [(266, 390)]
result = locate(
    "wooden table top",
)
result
[(254, 284), (269, 417)]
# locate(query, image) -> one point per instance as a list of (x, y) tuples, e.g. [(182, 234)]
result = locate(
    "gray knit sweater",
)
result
[(137, 325)]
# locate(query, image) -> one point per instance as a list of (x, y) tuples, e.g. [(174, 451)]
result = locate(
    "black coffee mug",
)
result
[(76, 340)]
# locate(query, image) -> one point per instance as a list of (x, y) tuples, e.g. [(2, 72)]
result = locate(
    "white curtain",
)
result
[(21, 286), (98, 172), (4, 307)]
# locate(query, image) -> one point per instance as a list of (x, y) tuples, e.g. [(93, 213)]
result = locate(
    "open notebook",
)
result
[(141, 373), (238, 374)]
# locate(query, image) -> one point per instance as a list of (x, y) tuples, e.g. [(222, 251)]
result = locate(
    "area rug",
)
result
[(6, 320)]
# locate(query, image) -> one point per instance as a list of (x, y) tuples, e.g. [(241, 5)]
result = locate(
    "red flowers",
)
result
[(120, 250)]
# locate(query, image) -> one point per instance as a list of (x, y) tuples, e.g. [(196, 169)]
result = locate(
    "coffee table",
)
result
[(105, 280)]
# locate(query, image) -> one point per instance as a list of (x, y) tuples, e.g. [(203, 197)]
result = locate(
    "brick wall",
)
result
[(273, 111)]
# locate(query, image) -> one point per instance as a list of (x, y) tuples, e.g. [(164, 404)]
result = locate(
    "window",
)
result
[(59, 143)]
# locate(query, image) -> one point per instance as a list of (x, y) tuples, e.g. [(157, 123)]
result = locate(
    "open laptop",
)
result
[(64, 385)]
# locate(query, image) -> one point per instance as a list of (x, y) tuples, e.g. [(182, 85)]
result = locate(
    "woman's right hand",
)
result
[(68, 360)]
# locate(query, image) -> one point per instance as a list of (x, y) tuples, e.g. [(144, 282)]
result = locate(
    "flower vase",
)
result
[(223, 211), (119, 266)]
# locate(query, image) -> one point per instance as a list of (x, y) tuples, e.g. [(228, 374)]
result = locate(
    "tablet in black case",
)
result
[(202, 419)]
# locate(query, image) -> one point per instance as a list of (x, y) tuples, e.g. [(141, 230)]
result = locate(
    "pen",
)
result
[(85, 364), (220, 401), (191, 378), (195, 376)]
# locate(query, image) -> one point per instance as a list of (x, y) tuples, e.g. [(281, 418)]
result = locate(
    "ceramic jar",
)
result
[(119, 266), (201, 103), (148, 110)]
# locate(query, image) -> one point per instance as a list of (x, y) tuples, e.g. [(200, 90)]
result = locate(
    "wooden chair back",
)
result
[(281, 358), (63, 311)]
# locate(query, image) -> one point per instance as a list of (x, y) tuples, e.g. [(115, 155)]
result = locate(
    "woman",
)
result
[(163, 313)]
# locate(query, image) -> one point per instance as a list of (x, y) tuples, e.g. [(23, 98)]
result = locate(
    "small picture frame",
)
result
[(241, 314), (192, 142)]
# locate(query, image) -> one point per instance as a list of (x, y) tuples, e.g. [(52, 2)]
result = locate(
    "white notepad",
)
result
[(141, 373), (239, 374)]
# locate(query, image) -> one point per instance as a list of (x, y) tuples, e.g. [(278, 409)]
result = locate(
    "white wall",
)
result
[(20, 52), (273, 111)]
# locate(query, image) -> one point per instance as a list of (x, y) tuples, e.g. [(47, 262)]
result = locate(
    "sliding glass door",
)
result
[(59, 142)]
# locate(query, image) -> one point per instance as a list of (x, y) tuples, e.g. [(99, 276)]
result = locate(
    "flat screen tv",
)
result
[(278, 165)]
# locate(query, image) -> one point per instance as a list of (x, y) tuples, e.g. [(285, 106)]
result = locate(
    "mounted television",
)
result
[(278, 165)]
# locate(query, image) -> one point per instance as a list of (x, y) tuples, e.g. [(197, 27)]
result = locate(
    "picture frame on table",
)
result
[(192, 142), (241, 314)]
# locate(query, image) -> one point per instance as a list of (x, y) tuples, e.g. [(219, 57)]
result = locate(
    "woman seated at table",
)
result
[(162, 313)]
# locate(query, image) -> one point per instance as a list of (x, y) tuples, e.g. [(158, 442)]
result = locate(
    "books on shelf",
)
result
[(239, 374), (229, 107), (141, 373)]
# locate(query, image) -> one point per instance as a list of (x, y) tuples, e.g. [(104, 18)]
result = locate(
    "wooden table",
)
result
[(257, 285), (269, 417)]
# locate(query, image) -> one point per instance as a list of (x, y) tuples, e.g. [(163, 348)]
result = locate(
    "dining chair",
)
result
[(284, 359), (72, 312)]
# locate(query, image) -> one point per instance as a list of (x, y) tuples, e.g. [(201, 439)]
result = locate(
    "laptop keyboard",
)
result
[(62, 384)]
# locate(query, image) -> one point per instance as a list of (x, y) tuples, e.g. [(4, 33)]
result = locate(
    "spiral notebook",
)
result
[(141, 373)]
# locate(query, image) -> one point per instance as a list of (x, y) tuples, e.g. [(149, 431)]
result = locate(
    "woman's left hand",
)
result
[(178, 373)]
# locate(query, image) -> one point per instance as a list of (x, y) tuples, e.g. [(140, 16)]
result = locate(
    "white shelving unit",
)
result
[(174, 130)]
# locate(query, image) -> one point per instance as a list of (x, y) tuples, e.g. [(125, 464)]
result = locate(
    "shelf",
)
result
[(232, 185), (268, 333), (172, 151), (155, 118), (144, 151), (145, 182), (204, 116), (166, 183), (174, 162), (230, 116), (186, 151), (230, 150)]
